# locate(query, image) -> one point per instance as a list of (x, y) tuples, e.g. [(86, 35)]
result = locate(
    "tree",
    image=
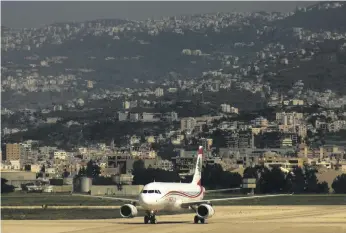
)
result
[(42, 171), (231, 180), (339, 184), (311, 179), (298, 180), (5, 188), (323, 187), (272, 181), (65, 174), (250, 172), (214, 177), (92, 169), (145, 176), (81, 172), (138, 165)]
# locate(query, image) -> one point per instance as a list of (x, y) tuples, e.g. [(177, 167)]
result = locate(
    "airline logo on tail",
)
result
[(199, 163), (198, 169)]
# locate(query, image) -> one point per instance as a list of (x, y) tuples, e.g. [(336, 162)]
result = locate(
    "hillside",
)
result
[(247, 47), (326, 16)]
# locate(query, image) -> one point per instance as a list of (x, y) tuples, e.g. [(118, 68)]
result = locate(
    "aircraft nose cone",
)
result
[(148, 201)]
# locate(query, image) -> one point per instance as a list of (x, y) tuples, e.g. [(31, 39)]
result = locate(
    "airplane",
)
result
[(167, 196)]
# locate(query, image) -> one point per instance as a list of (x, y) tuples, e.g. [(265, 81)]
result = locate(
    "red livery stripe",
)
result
[(184, 194)]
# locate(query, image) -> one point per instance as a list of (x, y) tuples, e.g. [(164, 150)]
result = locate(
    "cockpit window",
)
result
[(151, 191)]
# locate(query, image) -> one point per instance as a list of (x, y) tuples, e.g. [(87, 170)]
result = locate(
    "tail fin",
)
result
[(198, 170)]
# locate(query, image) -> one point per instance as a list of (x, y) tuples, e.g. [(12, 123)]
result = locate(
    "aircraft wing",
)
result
[(133, 201), (221, 190), (191, 203)]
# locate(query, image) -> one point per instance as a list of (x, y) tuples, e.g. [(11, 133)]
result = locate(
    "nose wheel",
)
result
[(198, 219), (150, 219)]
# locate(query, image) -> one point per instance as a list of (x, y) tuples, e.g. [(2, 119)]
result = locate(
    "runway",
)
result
[(234, 219)]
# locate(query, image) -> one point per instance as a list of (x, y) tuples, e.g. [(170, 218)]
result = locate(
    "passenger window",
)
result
[(151, 191), (144, 191)]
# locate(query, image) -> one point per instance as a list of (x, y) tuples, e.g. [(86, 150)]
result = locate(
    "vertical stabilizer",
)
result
[(198, 169)]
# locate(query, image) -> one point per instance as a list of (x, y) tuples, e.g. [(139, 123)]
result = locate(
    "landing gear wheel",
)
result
[(146, 219), (195, 219), (153, 220)]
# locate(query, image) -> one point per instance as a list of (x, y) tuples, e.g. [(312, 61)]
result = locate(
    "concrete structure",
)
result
[(287, 164), (123, 116), (16, 178), (13, 151), (60, 155), (123, 179), (18, 175), (124, 190), (242, 139), (158, 92), (286, 142), (125, 164), (260, 121), (134, 117), (289, 118), (188, 123), (90, 84), (86, 184), (61, 188)]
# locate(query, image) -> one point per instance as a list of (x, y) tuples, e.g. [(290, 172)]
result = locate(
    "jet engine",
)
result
[(205, 211), (128, 211)]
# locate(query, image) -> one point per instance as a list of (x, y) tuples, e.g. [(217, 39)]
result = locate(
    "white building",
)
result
[(188, 123), (60, 155), (228, 109), (158, 92)]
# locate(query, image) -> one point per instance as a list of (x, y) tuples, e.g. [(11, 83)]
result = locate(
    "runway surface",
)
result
[(234, 219)]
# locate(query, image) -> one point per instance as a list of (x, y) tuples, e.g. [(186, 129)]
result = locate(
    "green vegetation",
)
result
[(92, 170), (54, 214), (144, 176), (316, 199), (339, 184), (39, 199), (299, 181), (51, 199), (46, 214), (337, 138), (69, 214), (213, 177), (5, 188)]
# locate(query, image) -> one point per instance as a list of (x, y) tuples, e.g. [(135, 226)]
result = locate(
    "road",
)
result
[(235, 219)]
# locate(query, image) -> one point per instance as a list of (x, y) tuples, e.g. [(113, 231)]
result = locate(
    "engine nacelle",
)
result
[(128, 211), (205, 211)]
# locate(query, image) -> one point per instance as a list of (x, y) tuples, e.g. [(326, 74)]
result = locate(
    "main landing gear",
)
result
[(150, 218), (198, 219)]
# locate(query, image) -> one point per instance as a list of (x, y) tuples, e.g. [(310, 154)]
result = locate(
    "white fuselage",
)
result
[(158, 196)]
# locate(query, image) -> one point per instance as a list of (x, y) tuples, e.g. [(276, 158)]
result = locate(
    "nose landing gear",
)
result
[(150, 218)]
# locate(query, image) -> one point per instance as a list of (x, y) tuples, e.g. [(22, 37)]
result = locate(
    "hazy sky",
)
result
[(36, 14)]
